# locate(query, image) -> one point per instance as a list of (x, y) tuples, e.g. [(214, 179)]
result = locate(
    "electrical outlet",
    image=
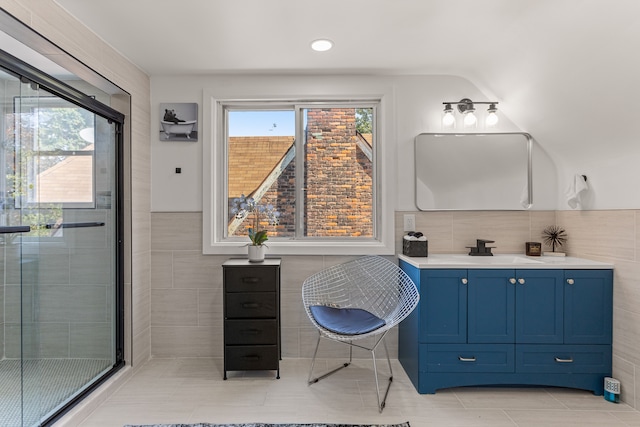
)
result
[(410, 222)]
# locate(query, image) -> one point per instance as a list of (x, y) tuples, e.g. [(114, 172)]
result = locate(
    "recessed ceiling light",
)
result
[(321, 45)]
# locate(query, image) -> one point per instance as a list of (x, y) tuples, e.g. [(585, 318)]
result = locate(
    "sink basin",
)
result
[(502, 260), (511, 259)]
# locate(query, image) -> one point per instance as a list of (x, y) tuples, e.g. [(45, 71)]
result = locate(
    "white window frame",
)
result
[(214, 182)]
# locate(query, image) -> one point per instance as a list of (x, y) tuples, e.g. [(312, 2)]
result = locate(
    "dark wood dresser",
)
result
[(251, 315)]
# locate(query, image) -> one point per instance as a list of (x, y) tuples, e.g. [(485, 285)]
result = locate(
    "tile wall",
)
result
[(186, 287)]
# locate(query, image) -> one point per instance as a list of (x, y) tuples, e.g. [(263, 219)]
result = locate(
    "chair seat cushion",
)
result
[(346, 321)]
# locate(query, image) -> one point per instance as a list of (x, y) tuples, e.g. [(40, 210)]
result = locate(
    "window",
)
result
[(335, 178), (260, 147), (58, 153), (315, 164)]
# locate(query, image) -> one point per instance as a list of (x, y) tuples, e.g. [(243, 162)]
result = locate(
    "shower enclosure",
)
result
[(60, 244)]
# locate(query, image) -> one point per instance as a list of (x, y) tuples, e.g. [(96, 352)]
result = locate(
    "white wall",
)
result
[(416, 108)]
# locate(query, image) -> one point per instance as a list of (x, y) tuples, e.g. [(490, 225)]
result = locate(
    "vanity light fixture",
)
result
[(321, 45), (467, 109)]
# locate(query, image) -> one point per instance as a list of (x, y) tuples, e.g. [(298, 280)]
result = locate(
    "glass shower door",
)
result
[(17, 273), (60, 268)]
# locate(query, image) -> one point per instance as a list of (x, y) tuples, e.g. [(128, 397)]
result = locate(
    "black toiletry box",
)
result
[(415, 248)]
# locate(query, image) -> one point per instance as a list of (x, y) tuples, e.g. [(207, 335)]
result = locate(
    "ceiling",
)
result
[(371, 36)]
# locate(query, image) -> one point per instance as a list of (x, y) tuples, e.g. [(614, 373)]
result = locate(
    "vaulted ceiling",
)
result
[(564, 70)]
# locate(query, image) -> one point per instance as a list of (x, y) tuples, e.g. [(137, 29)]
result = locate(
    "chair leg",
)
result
[(381, 404), (312, 380)]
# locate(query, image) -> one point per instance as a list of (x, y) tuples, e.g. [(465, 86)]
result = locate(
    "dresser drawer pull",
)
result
[(251, 357), (467, 359), (250, 305), (250, 279), (251, 332), (559, 360)]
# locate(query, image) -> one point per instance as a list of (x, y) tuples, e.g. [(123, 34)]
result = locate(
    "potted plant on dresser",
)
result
[(262, 214)]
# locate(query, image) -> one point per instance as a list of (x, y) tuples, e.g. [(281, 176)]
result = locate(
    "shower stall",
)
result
[(61, 301)]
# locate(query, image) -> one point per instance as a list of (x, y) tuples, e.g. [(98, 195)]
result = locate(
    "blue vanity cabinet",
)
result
[(584, 357), (508, 327), (515, 306), (588, 306), (491, 306), (539, 313), (443, 314)]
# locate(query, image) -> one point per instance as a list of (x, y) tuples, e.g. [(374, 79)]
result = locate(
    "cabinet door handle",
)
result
[(250, 305), (521, 281), (571, 281), (559, 360), (512, 281), (250, 279), (467, 359), (464, 280)]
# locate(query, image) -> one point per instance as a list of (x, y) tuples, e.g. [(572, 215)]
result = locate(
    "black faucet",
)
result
[(481, 249)]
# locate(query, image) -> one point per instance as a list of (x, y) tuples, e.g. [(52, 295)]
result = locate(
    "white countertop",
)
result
[(503, 261)]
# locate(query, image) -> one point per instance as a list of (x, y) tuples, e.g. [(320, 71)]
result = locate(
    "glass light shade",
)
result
[(448, 119), (492, 117), (469, 119), (492, 120)]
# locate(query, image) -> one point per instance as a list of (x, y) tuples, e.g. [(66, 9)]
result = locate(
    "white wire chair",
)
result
[(366, 297)]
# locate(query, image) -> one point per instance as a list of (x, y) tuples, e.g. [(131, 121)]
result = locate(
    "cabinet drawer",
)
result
[(250, 305), (255, 279), (467, 358), (264, 331), (578, 359), (246, 357)]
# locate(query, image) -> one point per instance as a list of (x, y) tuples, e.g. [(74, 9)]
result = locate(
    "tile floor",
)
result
[(192, 390)]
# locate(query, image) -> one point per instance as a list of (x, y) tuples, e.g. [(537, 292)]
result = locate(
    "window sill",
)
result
[(334, 247)]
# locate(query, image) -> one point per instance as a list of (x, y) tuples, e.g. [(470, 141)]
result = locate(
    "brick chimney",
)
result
[(338, 176)]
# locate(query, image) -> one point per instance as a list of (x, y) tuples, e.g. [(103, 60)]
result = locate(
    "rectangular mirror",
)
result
[(473, 171)]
